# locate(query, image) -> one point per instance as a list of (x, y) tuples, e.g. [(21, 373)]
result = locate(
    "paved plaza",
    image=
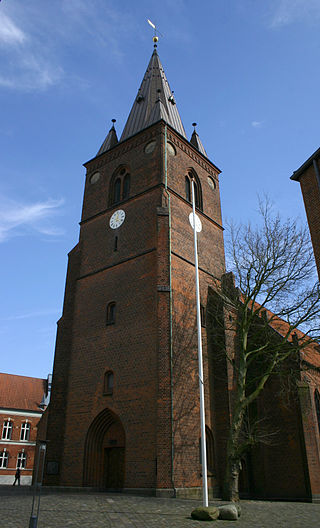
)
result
[(111, 510)]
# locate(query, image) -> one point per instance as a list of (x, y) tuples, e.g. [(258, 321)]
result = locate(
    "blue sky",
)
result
[(246, 71)]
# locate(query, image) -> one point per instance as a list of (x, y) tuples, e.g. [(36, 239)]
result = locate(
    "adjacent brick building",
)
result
[(124, 411), (308, 175), (22, 402)]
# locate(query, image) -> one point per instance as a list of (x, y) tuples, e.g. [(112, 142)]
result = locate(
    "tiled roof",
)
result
[(153, 102), (310, 349), (21, 392)]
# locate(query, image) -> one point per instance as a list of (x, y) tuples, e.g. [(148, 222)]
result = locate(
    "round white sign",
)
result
[(198, 222)]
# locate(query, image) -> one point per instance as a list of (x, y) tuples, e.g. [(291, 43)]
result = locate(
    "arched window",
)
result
[(25, 431), (196, 194), (197, 188), (119, 186), (4, 457), (108, 382), (7, 430), (317, 402), (117, 191), (126, 187), (188, 189), (111, 313)]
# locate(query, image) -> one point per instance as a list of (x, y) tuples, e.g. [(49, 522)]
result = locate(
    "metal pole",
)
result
[(33, 518), (201, 385), (33, 522)]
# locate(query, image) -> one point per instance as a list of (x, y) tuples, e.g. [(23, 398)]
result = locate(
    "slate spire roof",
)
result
[(154, 101), (196, 141), (110, 141)]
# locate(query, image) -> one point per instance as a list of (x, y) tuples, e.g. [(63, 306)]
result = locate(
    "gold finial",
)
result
[(155, 37)]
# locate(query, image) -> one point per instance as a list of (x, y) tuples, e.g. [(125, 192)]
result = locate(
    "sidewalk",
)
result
[(111, 510)]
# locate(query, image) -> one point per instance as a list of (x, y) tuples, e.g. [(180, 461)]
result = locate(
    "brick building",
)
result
[(285, 417), (124, 411), (22, 402), (308, 175)]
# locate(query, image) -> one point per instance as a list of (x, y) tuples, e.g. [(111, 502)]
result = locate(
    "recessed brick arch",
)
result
[(104, 454)]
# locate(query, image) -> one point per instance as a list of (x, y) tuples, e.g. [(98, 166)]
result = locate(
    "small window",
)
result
[(4, 457), (203, 315), (22, 460), (115, 247), (7, 430), (210, 450), (25, 431), (108, 382), (111, 313)]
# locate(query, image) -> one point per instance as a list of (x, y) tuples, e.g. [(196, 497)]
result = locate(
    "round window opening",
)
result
[(171, 150), (149, 148), (212, 183), (95, 177)]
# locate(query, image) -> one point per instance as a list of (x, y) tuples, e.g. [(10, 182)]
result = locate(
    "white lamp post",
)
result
[(196, 224)]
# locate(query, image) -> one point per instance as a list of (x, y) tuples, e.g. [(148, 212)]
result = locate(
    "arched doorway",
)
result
[(104, 454)]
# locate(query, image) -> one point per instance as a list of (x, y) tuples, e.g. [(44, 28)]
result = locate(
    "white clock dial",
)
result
[(198, 222), (117, 219)]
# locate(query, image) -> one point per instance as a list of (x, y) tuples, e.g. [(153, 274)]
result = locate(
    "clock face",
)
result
[(198, 222), (117, 219)]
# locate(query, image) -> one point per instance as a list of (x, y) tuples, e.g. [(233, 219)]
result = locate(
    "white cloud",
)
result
[(27, 63), (30, 315), (10, 33), (29, 74), (256, 124), (289, 11), (39, 35), (18, 219)]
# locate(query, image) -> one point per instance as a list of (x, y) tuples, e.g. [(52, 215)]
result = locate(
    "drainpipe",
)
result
[(316, 170), (170, 307)]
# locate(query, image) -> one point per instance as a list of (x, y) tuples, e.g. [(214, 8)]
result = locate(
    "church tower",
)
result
[(124, 411)]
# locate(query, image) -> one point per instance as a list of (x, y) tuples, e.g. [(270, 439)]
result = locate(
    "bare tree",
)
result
[(274, 271)]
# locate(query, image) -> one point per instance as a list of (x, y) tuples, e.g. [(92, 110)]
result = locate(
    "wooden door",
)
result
[(114, 467)]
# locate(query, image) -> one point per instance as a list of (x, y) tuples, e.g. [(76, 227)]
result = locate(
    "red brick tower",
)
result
[(124, 409)]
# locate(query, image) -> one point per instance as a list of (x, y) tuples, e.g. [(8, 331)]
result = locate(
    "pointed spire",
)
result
[(154, 101), (196, 141), (110, 141)]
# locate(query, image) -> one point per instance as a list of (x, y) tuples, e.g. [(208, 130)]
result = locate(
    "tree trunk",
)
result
[(231, 481)]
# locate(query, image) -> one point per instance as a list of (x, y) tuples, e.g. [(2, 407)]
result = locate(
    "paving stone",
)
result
[(107, 510)]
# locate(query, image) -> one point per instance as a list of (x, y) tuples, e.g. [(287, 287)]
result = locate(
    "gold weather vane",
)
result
[(155, 37)]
